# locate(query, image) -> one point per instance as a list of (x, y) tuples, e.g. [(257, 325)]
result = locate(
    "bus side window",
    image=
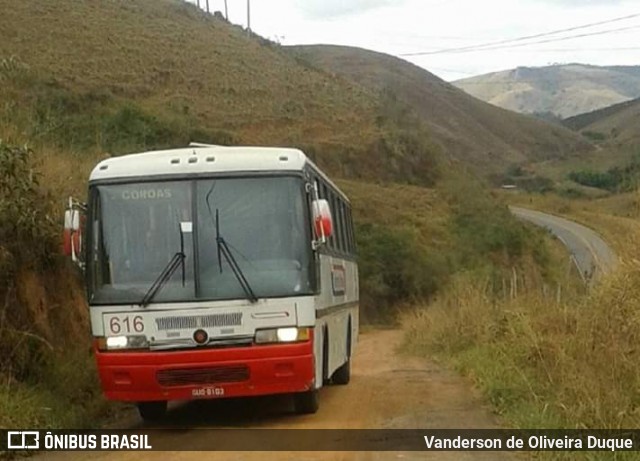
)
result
[(327, 195), (339, 223), (334, 214), (344, 232), (352, 243)]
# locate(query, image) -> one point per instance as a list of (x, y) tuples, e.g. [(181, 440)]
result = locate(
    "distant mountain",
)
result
[(469, 130), (619, 124), (563, 90)]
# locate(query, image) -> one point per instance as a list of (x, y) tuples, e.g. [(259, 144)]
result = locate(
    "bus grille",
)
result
[(215, 375), (199, 321)]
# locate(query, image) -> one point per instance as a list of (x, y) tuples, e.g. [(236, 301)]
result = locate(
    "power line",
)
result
[(559, 39), (565, 50), (518, 39)]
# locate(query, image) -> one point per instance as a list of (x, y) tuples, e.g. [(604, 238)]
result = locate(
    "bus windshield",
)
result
[(137, 228)]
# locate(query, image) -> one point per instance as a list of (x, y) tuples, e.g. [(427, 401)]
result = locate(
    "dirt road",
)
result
[(387, 390)]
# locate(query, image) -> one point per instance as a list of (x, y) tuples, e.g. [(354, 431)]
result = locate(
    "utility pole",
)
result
[(226, 10), (207, 6), (248, 18), (198, 4)]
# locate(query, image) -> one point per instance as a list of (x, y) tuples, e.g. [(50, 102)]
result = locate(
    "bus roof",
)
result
[(202, 159), (198, 159)]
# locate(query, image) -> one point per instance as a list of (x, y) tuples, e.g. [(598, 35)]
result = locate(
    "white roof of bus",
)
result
[(202, 159)]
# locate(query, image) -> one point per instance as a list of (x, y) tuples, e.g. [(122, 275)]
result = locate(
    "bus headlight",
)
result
[(282, 335), (114, 343)]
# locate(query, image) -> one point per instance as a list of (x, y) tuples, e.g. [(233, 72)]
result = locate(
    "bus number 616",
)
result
[(126, 324)]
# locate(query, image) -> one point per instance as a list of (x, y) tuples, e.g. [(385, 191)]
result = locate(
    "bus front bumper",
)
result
[(207, 373)]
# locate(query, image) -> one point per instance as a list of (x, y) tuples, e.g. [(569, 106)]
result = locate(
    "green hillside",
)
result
[(161, 73), (617, 125), (470, 131)]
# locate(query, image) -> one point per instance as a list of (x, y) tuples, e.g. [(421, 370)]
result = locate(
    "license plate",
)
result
[(204, 392)]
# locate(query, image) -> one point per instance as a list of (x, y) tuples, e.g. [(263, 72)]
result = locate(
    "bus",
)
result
[(215, 272)]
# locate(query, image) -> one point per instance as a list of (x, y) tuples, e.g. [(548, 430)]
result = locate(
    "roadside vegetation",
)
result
[(548, 355), (47, 377), (615, 179), (413, 242), (545, 359)]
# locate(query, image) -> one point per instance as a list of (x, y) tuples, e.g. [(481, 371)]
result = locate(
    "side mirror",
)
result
[(322, 221), (72, 233)]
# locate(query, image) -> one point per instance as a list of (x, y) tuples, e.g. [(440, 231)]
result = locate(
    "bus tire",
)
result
[(152, 411), (342, 375), (326, 378), (306, 403)]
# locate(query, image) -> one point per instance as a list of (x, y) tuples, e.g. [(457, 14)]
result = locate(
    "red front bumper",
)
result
[(269, 369)]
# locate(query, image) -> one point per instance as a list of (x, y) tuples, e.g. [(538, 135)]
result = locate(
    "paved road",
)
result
[(591, 254)]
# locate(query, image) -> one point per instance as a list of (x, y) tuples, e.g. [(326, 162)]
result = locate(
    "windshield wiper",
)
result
[(223, 248), (167, 272), (165, 275)]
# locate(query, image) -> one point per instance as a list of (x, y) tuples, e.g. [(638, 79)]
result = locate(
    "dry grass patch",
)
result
[(543, 360)]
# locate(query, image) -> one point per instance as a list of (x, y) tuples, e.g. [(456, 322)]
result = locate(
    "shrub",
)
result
[(98, 120), (394, 267), (482, 227), (27, 232), (594, 135)]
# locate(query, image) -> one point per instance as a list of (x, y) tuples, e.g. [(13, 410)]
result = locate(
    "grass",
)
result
[(614, 123), (136, 80), (412, 241), (543, 359), (548, 356), (67, 395)]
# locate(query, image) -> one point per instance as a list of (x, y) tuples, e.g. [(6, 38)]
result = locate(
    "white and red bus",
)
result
[(216, 272)]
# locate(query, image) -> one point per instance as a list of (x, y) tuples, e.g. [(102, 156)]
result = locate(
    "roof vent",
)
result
[(284, 158), (175, 161), (193, 159), (211, 159), (104, 167)]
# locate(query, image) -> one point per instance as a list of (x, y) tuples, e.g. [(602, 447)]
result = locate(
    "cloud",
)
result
[(326, 9), (583, 3)]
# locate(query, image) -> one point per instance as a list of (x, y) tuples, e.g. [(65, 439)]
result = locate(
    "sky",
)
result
[(405, 27)]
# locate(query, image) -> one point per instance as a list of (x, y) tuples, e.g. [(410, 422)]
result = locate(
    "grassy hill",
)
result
[(618, 124), (469, 130), (117, 76), (563, 90)]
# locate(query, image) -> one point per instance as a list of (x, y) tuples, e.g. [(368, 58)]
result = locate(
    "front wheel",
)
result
[(152, 411), (343, 374), (306, 403)]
